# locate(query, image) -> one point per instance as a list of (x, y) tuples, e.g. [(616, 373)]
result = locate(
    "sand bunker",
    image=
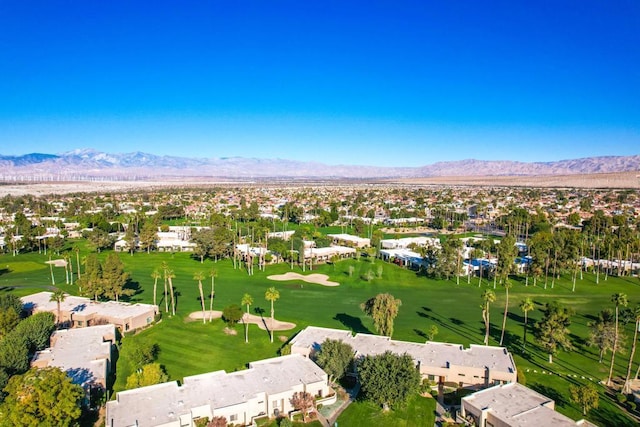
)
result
[(262, 322), (57, 262), (318, 279)]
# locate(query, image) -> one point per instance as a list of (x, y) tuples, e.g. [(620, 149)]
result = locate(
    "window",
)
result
[(80, 323), (274, 404), (233, 417), (148, 320)]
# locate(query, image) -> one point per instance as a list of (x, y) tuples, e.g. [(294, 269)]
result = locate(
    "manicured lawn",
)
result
[(188, 348), (420, 411)]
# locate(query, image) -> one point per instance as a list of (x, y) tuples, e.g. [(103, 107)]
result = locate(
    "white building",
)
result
[(405, 242), (350, 240), (513, 405), (263, 389)]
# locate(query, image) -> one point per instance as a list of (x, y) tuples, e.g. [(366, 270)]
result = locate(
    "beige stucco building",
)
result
[(477, 365), (263, 389), (79, 312)]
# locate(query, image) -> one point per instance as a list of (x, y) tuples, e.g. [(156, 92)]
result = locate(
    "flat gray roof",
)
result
[(163, 403), (519, 406), (85, 306), (82, 353), (429, 354)]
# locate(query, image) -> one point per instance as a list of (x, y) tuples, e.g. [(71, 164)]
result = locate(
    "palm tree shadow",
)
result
[(351, 322), (260, 312)]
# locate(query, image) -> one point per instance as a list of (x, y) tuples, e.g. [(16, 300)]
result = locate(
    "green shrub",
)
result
[(632, 406), (621, 397), (285, 422), (522, 379)]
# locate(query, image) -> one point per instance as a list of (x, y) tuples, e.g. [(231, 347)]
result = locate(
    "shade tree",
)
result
[(388, 379), (42, 397), (552, 331), (383, 309), (334, 358)]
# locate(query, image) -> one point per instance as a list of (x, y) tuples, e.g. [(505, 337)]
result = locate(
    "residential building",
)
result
[(264, 389), (477, 365), (82, 312), (84, 354), (350, 240), (513, 405)]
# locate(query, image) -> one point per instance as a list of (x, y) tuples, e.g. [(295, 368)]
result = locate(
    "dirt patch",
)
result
[(315, 278)]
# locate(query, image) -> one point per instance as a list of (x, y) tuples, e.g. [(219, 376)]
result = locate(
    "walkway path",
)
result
[(331, 420)]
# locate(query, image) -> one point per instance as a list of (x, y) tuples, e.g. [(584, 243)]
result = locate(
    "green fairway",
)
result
[(419, 412), (188, 348)]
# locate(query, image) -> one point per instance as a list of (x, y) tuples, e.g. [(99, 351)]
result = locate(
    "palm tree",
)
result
[(618, 299), (58, 296), (165, 267), (65, 257), (199, 276), (488, 296), (53, 279), (213, 273), (155, 275), (507, 285), (526, 305), (76, 249), (272, 295), (70, 264), (247, 300), (171, 275), (635, 314)]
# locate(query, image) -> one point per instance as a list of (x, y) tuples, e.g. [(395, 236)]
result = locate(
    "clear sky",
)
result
[(390, 83)]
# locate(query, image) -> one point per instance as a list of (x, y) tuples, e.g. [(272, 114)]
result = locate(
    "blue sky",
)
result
[(341, 82)]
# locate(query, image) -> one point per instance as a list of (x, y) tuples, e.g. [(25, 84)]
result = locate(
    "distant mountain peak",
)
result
[(140, 165)]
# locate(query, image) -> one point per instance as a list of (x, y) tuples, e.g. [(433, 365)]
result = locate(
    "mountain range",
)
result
[(87, 164)]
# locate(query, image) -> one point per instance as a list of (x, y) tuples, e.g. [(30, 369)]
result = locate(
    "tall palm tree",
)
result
[(271, 295), (53, 279), (635, 313), (70, 264), (65, 257), (488, 296), (507, 285), (199, 276), (618, 299), (58, 296), (155, 275), (76, 249), (526, 305), (247, 300), (213, 273), (171, 275), (165, 268)]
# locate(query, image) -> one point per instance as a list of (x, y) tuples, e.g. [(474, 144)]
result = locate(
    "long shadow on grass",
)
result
[(607, 417), (550, 393), (351, 322), (134, 289), (452, 324)]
